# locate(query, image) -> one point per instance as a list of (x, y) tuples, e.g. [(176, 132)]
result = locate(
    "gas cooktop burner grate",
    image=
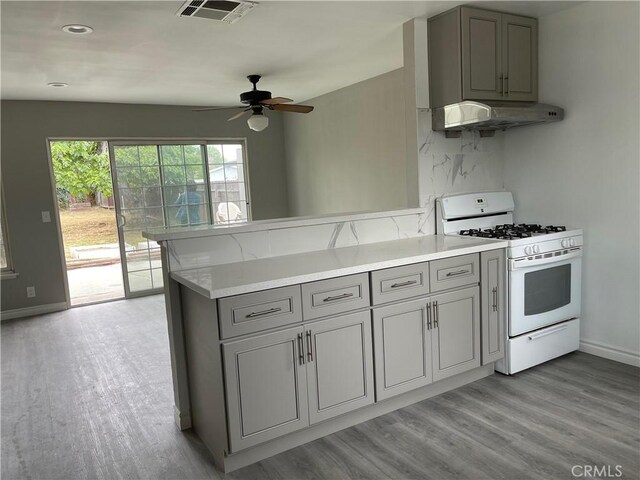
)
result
[(513, 231)]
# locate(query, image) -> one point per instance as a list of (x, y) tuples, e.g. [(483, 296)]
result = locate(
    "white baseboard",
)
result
[(612, 353), (31, 311)]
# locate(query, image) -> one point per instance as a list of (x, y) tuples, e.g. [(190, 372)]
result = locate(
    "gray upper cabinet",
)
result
[(520, 58), (455, 337), (339, 361), (477, 54), (481, 54), (493, 305), (266, 387)]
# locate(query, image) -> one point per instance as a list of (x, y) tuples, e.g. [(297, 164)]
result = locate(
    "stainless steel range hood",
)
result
[(491, 116)]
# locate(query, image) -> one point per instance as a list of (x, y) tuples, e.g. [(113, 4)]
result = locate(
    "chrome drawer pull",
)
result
[(263, 312), (436, 315), (300, 349), (494, 291), (428, 316), (459, 272), (404, 284), (338, 297), (309, 346)]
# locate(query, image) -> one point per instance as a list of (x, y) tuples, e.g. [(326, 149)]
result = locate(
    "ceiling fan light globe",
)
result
[(258, 122)]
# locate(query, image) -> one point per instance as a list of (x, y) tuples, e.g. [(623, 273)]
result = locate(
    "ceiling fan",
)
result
[(256, 101)]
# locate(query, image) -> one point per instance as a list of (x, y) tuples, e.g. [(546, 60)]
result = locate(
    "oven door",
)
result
[(544, 291)]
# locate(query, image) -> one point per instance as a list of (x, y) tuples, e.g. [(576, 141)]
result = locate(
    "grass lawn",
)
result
[(89, 226)]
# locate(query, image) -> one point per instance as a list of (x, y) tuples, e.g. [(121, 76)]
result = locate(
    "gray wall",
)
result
[(349, 154), (584, 171), (26, 125)]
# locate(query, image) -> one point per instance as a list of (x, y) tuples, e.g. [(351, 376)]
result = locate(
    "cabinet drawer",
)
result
[(454, 272), (398, 283), (257, 311), (335, 295)]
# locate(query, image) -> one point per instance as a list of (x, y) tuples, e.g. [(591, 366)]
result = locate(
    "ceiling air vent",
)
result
[(222, 11)]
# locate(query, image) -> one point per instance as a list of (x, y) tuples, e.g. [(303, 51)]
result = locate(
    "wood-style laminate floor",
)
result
[(87, 393)]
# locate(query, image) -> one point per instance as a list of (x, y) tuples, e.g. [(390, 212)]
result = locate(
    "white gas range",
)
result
[(544, 268)]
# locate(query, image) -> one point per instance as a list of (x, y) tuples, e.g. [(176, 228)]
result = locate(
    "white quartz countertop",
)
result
[(252, 275)]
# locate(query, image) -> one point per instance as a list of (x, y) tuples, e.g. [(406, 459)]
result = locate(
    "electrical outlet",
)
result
[(31, 292), (46, 216)]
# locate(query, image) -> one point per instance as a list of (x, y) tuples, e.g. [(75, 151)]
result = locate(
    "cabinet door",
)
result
[(266, 387), (492, 287), (455, 337), (402, 348), (339, 365), (520, 58), (481, 54)]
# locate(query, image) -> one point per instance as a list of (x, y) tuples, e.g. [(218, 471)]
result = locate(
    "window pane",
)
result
[(214, 152), (171, 155), (232, 153), (173, 175), (193, 155), (148, 155)]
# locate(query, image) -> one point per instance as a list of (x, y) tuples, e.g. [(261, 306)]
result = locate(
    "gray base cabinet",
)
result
[(266, 387), (424, 326), (455, 336), (280, 382), (402, 342), (493, 305), (426, 340), (339, 365)]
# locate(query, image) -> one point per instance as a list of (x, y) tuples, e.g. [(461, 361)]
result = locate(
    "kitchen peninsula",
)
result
[(284, 331)]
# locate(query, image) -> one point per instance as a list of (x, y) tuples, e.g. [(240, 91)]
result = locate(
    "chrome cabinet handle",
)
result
[(338, 297), (494, 292), (404, 284), (506, 82), (436, 315), (309, 347), (300, 349), (428, 316), (458, 272), (263, 312), (501, 78)]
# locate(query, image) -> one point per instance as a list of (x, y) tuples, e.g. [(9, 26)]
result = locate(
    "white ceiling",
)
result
[(141, 52)]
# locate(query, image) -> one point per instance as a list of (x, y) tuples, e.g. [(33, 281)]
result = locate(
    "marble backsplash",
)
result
[(275, 240), (455, 165)]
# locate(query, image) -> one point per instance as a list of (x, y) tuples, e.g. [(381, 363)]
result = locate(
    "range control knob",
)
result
[(536, 249), (572, 242), (564, 243), (528, 250)]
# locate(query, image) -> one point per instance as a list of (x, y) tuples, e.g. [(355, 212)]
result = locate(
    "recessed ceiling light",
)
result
[(76, 29), (58, 84)]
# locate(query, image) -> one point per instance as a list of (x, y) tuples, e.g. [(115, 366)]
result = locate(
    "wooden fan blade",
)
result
[(238, 115), (207, 109), (292, 108), (276, 100)]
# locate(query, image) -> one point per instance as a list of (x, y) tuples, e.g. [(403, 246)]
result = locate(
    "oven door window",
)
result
[(546, 290)]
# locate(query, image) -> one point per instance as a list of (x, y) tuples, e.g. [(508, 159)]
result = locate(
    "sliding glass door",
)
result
[(157, 185)]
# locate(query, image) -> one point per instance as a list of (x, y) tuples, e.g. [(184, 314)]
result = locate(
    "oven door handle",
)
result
[(526, 263)]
